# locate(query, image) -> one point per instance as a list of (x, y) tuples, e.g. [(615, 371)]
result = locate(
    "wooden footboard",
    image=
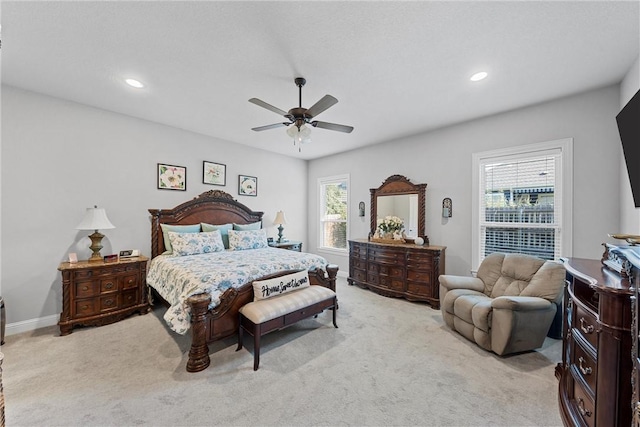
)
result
[(222, 321)]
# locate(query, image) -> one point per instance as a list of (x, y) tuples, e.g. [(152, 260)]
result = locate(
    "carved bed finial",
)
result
[(218, 194)]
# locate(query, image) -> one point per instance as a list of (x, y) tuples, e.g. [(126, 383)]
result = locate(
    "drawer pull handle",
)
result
[(588, 329), (85, 288), (84, 307), (109, 285), (582, 409), (585, 371), (130, 281), (109, 302)]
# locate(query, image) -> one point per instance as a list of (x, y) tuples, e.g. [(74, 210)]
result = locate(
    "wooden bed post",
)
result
[(199, 352)]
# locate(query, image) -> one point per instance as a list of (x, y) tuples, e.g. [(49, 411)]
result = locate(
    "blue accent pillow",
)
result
[(252, 226), (166, 228), (196, 243), (247, 239), (224, 231)]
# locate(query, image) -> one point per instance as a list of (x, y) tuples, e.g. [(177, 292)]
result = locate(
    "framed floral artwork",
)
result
[(214, 173), (171, 177), (247, 185)]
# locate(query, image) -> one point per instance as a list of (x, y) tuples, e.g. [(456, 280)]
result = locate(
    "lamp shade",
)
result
[(95, 219), (280, 218)]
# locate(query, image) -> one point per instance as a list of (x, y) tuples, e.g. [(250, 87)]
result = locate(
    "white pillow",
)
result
[(263, 289), (249, 239), (196, 243)]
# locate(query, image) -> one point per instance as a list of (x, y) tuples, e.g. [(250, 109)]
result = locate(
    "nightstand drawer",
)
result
[(86, 289), (129, 298), (584, 365), (86, 307), (584, 322), (130, 281), (108, 302), (108, 285)]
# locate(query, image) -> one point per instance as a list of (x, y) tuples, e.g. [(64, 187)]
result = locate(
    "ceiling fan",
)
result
[(300, 116)]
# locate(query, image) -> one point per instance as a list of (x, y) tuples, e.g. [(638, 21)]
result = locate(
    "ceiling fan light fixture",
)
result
[(478, 76)]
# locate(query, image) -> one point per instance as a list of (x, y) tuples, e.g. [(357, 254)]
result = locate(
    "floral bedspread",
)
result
[(176, 278)]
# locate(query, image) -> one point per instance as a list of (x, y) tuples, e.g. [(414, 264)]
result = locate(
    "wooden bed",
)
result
[(216, 207)]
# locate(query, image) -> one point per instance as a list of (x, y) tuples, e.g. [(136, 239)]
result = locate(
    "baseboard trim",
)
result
[(31, 324)]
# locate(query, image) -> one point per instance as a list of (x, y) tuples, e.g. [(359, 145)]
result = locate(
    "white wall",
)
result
[(442, 159), (629, 214), (59, 157)]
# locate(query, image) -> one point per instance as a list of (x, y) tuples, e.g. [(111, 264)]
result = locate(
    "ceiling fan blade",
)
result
[(332, 126), (268, 106), (324, 103), (273, 126)]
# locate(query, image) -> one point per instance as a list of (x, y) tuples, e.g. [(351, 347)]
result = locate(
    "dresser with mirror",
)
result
[(401, 269)]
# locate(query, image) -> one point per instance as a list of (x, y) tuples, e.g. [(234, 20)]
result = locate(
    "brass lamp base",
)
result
[(96, 245)]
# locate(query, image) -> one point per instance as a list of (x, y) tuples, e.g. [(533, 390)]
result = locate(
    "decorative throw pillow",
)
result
[(166, 228), (224, 231), (248, 239), (196, 243), (252, 226), (263, 289)]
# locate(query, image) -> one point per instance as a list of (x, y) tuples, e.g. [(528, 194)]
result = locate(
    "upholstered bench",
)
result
[(269, 312)]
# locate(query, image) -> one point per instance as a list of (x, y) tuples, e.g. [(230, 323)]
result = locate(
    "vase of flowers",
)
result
[(390, 226)]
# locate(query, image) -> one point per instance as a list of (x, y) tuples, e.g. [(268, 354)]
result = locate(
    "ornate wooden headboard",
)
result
[(213, 207)]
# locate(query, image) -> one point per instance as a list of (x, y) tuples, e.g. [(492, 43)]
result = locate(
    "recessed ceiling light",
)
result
[(478, 76), (134, 83)]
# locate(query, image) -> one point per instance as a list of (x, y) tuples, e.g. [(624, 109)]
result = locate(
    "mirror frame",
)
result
[(397, 185)]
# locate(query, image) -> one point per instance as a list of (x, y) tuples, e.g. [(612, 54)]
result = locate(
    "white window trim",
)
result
[(328, 180), (565, 176)]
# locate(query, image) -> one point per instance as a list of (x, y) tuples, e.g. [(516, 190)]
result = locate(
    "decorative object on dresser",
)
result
[(171, 177), (208, 325), (398, 270), (214, 173), (95, 219), (99, 293), (595, 374), (291, 245), (510, 304), (398, 197), (280, 221)]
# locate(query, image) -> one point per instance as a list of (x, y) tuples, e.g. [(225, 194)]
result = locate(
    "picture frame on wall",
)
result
[(214, 173), (172, 177), (247, 185)]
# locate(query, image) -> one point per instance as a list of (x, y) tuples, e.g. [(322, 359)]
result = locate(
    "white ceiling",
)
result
[(397, 68)]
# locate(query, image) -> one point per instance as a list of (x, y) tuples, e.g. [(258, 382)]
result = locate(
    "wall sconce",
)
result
[(361, 208), (447, 208)]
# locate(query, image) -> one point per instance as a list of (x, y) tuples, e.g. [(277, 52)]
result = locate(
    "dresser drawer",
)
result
[(584, 404), (359, 275), (391, 283), (586, 368), (584, 324), (419, 276), (419, 260), (418, 288), (391, 271), (357, 263), (86, 289), (386, 256)]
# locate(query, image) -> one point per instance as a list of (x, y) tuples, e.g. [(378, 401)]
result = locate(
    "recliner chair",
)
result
[(510, 304)]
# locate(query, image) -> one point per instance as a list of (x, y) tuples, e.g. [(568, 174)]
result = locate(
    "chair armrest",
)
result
[(461, 282), (520, 303)]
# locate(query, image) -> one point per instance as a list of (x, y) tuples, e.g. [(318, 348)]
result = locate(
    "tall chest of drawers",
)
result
[(98, 293), (595, 371), (397, 270)]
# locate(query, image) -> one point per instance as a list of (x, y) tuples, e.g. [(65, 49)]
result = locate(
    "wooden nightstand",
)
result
[(290, 245), (98, 293)]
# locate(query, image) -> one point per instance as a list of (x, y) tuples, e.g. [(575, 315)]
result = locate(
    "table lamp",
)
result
[(280, 219), (95, 218)]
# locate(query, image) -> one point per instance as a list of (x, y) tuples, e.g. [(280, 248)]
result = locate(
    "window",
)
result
[(334, 198), (522, 201)]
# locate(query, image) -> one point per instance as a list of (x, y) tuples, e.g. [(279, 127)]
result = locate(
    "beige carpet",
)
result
[(391, 362)]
